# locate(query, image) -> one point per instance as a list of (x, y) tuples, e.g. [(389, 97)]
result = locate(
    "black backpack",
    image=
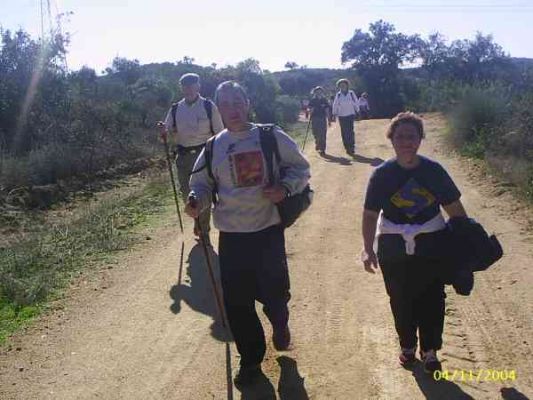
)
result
[(289, 208), (208, 105)]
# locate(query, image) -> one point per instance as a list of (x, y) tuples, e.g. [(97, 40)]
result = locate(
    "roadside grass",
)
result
[(297, 131), (36, 269)]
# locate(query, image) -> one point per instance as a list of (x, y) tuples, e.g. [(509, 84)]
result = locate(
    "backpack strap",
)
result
[(173, 113), (208, 156), (208, 105), (353, 96), (269, 146)]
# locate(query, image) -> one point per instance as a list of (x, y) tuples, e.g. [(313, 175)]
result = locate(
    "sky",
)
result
[(272, 31)]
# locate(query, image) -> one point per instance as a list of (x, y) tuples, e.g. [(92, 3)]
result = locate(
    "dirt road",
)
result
[(133, 332)]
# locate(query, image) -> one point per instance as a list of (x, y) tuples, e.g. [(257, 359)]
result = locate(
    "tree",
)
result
[(465, 60), (126, 70), (377, 56), (186, 60), (291, 65), (381, 47)]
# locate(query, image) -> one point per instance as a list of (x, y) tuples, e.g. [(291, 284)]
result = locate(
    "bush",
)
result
[(287, 109), (477, 119)]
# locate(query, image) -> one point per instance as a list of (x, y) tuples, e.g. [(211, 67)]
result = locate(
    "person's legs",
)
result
[(272, 277), (319, 132), (237, 255), (399, 288), (430, 307), (343, 122), (185, 164), (315, 130), (351, 134), (323, 133), (184, 171), (347, 132)]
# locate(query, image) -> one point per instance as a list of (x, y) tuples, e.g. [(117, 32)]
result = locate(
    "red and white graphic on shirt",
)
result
[(249, 168)]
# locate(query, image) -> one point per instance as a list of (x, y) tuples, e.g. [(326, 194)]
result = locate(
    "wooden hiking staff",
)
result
[(163, 135), (218, 298), (307, 131)]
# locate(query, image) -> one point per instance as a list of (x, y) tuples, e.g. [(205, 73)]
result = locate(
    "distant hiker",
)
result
[(320, 118), (233, 170), (305, 108), (403, 202), (364, 108), (346, 107), (331, 115), (191, 122)]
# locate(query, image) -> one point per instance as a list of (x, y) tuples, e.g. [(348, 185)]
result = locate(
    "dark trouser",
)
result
[(347, 132), (184, 164), (253, 266), (416, 299), (320, 128)]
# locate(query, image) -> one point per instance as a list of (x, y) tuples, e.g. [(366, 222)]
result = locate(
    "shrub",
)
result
[(477, 118), (287, 109)]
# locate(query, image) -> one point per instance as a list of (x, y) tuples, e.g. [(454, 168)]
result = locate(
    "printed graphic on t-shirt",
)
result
[(412, 198), (248, 168)]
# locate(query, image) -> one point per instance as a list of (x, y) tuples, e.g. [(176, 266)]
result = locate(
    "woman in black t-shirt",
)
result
[(403, 205), (320, 118)]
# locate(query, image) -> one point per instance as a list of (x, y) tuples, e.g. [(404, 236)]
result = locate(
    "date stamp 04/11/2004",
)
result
[(477, 375)]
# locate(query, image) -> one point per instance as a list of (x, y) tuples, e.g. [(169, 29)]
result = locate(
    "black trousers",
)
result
[(253, 266), (416, 299), (347, 132)]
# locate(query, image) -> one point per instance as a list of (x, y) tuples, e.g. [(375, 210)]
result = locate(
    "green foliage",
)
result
[(475, 119), (377, 56), (37, 267), (287, 109)]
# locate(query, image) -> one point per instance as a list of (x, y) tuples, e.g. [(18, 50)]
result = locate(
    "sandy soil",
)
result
[(137, 331)]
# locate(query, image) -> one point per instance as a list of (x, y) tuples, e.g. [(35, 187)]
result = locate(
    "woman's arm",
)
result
[(455, 209), (370, 219)]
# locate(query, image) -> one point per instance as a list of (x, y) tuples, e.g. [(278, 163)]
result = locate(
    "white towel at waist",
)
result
[(410, 231)]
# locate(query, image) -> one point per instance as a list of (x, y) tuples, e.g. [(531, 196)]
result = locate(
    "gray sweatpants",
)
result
[(185, 164)]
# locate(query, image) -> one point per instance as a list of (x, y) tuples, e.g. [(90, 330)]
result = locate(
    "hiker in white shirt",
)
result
[(346, 107), (192, 121)]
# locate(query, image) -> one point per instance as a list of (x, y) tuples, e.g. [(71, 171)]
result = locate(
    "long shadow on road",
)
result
[(373, 161), (197, 291), (436, 390), (290, 387), (198, 295)]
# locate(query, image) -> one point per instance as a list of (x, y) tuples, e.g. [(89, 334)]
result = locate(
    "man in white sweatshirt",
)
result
[(346, 107), (253, 262)]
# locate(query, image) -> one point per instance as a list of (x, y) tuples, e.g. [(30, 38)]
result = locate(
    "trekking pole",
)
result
[(170, 171), (193, 202), (307, 132)]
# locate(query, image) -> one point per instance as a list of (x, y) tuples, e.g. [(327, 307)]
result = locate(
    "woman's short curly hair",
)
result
[(407, 117)]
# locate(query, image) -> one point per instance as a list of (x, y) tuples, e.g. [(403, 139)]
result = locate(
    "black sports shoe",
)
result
[(281, 338), (247, 375), (430, 361)]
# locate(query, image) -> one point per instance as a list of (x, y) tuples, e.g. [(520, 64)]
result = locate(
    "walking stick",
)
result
[(170, 171), (193, 202), (307, 132), (161, 126)]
